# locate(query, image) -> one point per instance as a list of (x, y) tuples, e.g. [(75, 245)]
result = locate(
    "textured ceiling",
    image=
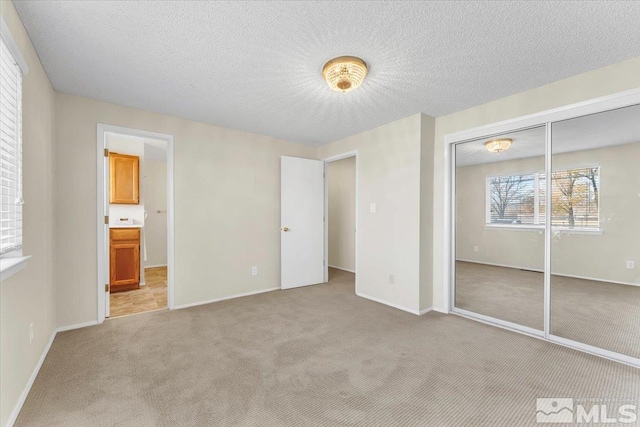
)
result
[(256, 66), (606, 129)]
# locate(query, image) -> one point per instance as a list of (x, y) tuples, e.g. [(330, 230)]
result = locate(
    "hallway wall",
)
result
[(155, 199), (341, 196)]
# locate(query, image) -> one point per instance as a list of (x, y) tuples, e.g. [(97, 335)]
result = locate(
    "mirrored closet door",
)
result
[(545, 226), (595, 230), (499, 230)]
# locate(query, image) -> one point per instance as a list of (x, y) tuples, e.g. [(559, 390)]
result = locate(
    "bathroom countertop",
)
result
[(125, 226)]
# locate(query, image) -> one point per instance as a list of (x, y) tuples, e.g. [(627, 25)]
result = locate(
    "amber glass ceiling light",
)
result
[(498, 145), (344, 73)]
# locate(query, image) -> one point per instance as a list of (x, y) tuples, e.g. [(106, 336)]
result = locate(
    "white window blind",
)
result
[(10, 151), (519, 199)]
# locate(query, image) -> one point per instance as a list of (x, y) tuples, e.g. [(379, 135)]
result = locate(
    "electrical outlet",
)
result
[(631, 265), (392, 279), (254, 270), (475, 249), (30, 332)]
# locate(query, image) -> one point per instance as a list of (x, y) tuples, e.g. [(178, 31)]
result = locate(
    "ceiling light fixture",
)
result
[(344, 73), (498, 145)]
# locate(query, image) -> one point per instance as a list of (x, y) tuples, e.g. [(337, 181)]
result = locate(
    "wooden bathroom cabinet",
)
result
[(124, 259), (124, 179)]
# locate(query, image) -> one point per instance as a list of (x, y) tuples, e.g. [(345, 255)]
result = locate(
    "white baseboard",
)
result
[(76, 326), (597, 280), (16, 410), (343, 269), (246, 294), (390, 304), (155, 266), (493, 264), (536, 270), (440, 310), (425, 310)]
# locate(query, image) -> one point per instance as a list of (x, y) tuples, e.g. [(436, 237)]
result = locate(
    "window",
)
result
[(575, 198), (10, 151), (519, 199)]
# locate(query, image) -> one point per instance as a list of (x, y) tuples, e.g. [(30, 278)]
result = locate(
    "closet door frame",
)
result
[(544, 118)]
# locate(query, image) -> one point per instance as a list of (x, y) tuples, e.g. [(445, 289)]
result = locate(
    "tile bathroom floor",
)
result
[(152, 296)]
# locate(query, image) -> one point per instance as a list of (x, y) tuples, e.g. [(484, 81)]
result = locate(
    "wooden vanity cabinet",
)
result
[(124, 179), (124, 259)]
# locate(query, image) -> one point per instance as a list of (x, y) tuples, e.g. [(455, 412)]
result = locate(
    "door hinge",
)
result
[(106, 152), (106, 219), (106, 287), (323, 262)]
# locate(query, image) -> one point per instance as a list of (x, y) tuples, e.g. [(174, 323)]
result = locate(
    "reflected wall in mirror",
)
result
[(499, 223), (595, 229)]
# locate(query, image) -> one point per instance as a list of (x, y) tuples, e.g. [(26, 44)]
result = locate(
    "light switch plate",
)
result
[(372, 208), (631, 265)]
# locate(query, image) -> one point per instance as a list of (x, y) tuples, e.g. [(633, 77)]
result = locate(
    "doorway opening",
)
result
[(309, 190), (135, 221), (340, 223)]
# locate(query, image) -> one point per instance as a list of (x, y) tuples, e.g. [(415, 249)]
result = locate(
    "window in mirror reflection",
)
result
[(519, 199)]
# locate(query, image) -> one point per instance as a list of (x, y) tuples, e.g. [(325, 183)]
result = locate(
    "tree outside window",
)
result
[(519, 199)]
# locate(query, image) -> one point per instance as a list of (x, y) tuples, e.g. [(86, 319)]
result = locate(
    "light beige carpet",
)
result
[(314, 356), (600, 314)]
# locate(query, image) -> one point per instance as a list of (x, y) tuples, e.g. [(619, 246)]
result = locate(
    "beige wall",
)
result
[(427, 134), (155, 198), (604, 81), (514, 248), (29, 295), (388, 240), (595, 256), (227, 205), (341, 200)]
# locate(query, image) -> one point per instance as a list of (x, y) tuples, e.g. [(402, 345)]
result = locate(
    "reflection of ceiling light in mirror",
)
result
[(498, 145), (345, 73)]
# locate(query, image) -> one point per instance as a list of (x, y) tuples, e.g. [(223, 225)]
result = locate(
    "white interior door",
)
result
[(302, 222)]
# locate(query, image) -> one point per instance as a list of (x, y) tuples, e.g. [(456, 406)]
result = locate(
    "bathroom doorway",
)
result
[(135, 229)]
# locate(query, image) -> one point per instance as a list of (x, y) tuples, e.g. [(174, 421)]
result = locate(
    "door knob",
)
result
[(285, 229)]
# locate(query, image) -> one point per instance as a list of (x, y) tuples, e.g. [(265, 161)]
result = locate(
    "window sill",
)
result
[(514, 227), (554, 230), (574, 231), (11, 265)]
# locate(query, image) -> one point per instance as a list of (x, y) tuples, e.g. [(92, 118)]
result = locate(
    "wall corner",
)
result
[(427, 145)]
